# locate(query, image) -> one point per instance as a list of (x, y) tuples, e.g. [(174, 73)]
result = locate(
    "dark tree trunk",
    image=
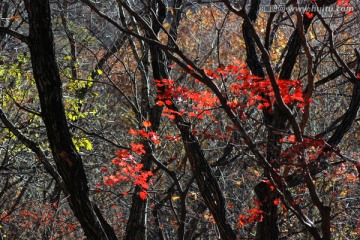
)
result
[(67, 159), (136, 225), (205, 178), (206, 181), (267, 229)]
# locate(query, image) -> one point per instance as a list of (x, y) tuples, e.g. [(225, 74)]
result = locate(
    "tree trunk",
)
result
[(267, 229), (136, 225), (67, 159)]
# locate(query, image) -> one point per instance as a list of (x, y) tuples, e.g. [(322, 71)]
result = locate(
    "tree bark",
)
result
[(136, 226), (67, 159), (267, 229)]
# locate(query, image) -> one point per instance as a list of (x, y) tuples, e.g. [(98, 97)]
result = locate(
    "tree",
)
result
[(201, 104)]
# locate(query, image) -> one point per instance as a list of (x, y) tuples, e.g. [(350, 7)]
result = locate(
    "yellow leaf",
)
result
[(238, 183), (170, 9), (174, 198), (312, 36), (189, 13), (88, 145), (256, 173), (166, 26), (99, 71)]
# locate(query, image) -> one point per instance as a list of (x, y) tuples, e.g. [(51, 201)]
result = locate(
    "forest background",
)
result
[(179, 119)]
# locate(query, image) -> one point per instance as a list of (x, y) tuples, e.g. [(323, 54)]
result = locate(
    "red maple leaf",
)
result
[(146, 123), (276, 201), (138, 148), (143, 195), (309, 14)]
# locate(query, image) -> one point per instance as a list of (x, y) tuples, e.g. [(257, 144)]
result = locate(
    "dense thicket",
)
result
[(179, 119)]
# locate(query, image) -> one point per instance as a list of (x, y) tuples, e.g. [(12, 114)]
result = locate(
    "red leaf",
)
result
[(192, 114), (138, 148), (143, 133), (298, 95), (168, 102), (143, 195), (309, 14), (242, 220), (154, 137), (133, 132), (160, 103), (146, 123), (291, 138)]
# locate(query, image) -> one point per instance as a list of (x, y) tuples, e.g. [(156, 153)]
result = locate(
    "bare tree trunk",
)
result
[(67, 159)]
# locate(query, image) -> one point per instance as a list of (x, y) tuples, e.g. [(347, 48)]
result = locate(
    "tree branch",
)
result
[(14, 34)]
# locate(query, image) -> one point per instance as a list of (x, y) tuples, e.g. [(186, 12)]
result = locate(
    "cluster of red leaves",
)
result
[(257, 89), (311, 147), (309, 14), (202, 102), (166, 91), (135, 147), (130, 170), (254, 215), (172, 138), (260, 92), (171, 113), (343, 3), (253, 90), (41, 216), (138, 148)]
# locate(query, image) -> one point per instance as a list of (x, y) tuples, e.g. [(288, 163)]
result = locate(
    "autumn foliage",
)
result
[(179, 120)]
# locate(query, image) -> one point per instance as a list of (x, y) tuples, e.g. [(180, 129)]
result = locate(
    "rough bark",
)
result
[(136, 225), (205, 178), (267, 228), (67, 159), (206, 182)]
